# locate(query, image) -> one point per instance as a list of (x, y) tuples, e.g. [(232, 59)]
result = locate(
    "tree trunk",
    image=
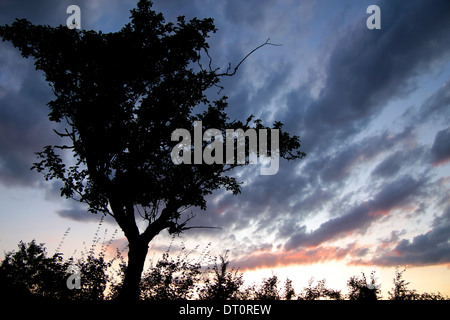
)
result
[(137, 251)]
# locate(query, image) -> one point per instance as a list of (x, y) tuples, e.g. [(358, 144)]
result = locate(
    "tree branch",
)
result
[(200, 227), (228, 74)]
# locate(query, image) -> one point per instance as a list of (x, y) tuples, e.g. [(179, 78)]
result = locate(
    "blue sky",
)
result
[(371, 107)]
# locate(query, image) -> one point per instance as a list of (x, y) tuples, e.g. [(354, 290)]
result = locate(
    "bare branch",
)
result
[(200, 227), (227, 73), (67, 134), (64, 147)]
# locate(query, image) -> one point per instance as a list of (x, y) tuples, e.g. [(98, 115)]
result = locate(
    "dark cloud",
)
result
[(24, 126), (79, 212), (437, 106), (112, 13), (440, 150), (38, 12), (250, 12), (392, 239), (389, 166), (432, 247), (366, 69), (343, 162), (361, 216)]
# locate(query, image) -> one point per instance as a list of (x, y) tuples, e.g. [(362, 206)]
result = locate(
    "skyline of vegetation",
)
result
[(32, 273)]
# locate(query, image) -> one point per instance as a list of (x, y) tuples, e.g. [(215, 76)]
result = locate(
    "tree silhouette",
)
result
[(400, 290), (319, 291), (268, 289), (30, 273), (361, 289), (289, 291), (225, 283), (170, 279), (120, 96)]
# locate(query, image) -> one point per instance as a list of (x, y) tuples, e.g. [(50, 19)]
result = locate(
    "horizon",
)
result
[(371, 108)]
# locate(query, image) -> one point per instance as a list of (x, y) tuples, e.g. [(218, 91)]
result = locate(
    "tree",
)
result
[(289, 291), (119, 97), (30, 273), (170, 279), (361, 289), (319, 291), (268, 289), (225, 283), (400, 290)]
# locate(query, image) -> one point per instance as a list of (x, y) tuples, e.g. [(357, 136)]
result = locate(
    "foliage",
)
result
[(319, 291), (400, 290), (289, 291), (170, 279), (361, 289), (225, 283), (30, 272), (268, 290)]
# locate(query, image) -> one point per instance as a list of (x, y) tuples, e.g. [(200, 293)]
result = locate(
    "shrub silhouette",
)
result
[(30, 273), (289, 291), (170, 279), (268, 290), (225, 283), (400, 290), (319, 292), (360, 289)]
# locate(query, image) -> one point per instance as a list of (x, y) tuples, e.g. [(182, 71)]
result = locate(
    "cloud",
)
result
[(112, 13), (440, 150), (24, 127), (389, 166), (436, 106), (361, 216), (366, 69), (432, 247), (302, 256), (78, 212), (342, 163)]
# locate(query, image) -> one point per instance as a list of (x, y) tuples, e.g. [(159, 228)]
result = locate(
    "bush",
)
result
[(29, 273), (319, 292), (221, 282), (400, 290), (361, 289)]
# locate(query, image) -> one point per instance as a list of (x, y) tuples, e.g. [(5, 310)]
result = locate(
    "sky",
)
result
[(371, 107)]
